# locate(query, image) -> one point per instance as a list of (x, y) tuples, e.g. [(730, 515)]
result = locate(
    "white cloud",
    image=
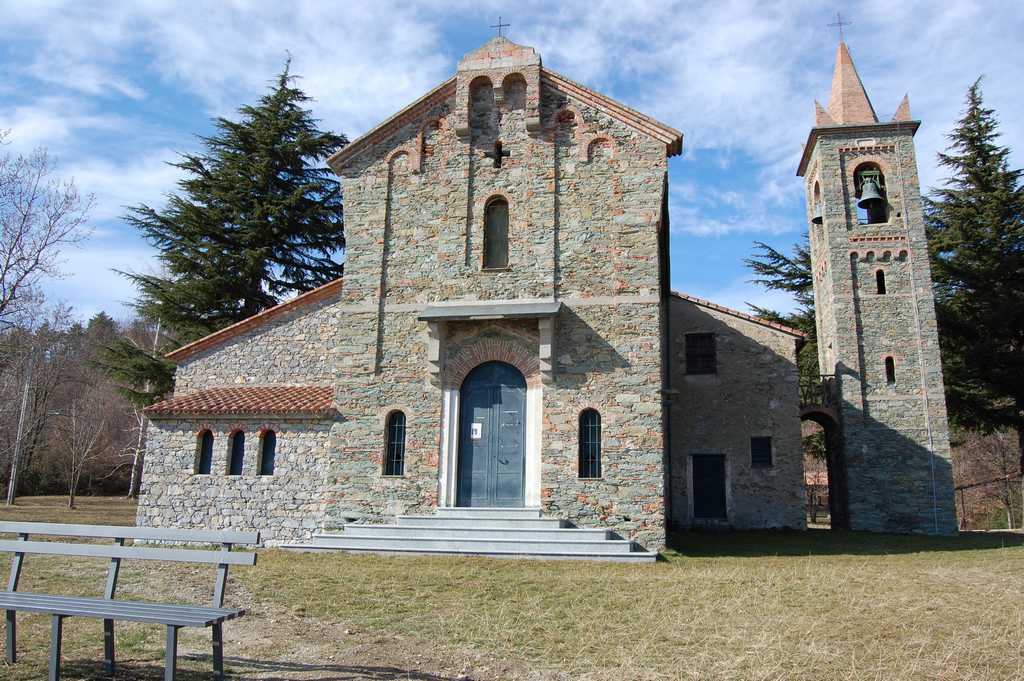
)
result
[(116, 185)]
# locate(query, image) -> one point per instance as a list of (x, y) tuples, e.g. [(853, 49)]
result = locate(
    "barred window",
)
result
[(204, 460), (760, 452), (701, 353), (590, 444), (268, 452), (237, 459), (394, 455)]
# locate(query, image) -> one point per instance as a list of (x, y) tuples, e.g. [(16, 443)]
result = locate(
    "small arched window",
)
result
[(496, 234), (268, 452), (872, 204), (204, 458), (236, 460), (890, 371), (590, 444), (394, 453), (880, 282)]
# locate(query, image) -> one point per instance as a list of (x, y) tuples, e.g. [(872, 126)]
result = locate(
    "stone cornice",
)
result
[(848, 130)]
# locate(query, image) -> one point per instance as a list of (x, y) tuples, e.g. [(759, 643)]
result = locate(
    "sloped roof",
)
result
[(216, 338), (848, 102), (291, 400), (742, 315)]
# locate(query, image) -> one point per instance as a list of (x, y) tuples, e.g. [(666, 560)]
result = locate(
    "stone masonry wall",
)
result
[(754, 393)]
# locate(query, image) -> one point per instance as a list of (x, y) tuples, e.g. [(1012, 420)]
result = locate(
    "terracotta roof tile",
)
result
[(742, 315), (252, 400)]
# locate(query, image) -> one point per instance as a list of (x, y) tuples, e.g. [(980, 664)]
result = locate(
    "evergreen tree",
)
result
[(790, 273), (258, 217), (976, 238)]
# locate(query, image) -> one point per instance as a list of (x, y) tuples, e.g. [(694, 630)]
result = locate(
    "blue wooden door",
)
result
[(492, 433)]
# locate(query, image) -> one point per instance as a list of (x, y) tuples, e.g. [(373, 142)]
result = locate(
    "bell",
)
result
[(870, 197), (817, 218)]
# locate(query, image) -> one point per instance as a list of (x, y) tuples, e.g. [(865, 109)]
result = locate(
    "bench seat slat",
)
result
[(101, 608), (128, 552), (169, 534)]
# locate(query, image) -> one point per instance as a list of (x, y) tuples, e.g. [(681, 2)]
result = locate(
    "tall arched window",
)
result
[(590, 444), (872, 204), (496, 234), (890, 371), (236, 460), (268, 452), (880, 282), (204, 458), (394, 452)]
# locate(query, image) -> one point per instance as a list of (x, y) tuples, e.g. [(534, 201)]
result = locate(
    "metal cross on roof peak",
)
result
[(838, 23), (500, 26)]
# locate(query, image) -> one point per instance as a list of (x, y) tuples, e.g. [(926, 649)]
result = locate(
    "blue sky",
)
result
[(115, 90)]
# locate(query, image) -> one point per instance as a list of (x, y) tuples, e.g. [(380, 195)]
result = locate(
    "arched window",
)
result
[(268, 452), (394, 453), (236, 459), (880, 282), (872, 205), (204, 458), (590, 444), (890, 371), (817, 216), (496, 234)]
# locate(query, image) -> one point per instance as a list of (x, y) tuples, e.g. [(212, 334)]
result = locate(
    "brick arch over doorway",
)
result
[(492, 350)]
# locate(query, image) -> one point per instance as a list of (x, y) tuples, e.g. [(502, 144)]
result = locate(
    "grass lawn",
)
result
[(812, 605)]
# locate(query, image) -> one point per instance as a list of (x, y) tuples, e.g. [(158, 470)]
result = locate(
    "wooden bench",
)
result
[(107, 608)]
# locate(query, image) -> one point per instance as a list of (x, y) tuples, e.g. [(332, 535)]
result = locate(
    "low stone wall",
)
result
[(286, 506)]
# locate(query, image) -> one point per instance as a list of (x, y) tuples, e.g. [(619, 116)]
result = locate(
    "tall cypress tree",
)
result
[(258, 217), (976, 236)]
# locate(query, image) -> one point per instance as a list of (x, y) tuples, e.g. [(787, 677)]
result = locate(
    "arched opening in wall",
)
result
[(514, 89), (817, 210), (869, 187), (824, 469), (394, 444), (481, 103), (880, 282), (268, 452), (890, 371), (204, 453), (496, 234), (236, 453)]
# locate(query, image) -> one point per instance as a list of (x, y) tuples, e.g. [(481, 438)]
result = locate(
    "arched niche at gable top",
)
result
[(600, 147), (514, 91)]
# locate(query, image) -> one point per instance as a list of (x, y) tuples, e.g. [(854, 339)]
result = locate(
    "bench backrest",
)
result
[(118, 551)]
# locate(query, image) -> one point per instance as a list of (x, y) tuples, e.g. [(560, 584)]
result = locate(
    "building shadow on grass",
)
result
[(818, 542), (239, 668)]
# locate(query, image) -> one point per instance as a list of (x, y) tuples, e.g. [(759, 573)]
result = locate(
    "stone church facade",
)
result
[(504, 336)]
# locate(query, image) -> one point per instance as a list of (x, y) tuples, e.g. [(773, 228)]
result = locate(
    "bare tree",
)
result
[(81, 433), (39, 215)]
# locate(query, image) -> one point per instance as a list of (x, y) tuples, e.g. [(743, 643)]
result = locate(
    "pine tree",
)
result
[(258, 217), (976, 237)]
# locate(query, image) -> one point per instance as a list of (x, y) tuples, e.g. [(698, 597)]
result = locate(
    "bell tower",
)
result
[(878, 348)]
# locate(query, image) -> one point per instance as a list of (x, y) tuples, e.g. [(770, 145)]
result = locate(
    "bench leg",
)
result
[(171, 654), (108, 645), (12, 637), (218, 652), (56, 633)]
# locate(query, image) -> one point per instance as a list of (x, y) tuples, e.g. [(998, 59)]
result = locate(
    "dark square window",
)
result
[(701, 356), (760, 452)]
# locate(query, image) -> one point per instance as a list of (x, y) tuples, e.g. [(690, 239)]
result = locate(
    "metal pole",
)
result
[(12, 484)]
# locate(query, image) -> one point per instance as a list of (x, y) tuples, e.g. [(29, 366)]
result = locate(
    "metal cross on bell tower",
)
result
[(500, 26), (838, 23)]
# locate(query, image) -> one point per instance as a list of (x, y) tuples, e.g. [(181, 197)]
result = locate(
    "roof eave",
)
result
[(849, 128), (775, 326)]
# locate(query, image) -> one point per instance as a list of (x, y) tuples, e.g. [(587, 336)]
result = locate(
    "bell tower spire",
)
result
[(884, 409)]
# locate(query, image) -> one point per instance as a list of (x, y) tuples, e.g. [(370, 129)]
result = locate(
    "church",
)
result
[(505, 370)]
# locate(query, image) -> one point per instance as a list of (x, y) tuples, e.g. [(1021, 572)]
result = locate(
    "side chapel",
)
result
[(504, 348)]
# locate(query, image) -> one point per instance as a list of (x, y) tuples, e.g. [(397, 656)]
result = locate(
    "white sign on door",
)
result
[(476, 431)]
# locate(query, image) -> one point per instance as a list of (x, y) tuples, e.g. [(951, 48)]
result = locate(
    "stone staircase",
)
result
[(497, 532)]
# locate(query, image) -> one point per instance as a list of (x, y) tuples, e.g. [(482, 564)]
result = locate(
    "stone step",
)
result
[(485, 523), (488, 512), (480, 545), (631, 557), (459, 532)]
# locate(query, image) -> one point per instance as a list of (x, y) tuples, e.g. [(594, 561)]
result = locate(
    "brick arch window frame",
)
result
[(590, 445), (495, 252), (267, 464), (203, 464), (236, 452), (395, 436), (871, 164)]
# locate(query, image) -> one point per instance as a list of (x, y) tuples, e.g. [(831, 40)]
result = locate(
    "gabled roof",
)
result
[(669, 136), (216, 338), (287, 400), (741, 315)]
